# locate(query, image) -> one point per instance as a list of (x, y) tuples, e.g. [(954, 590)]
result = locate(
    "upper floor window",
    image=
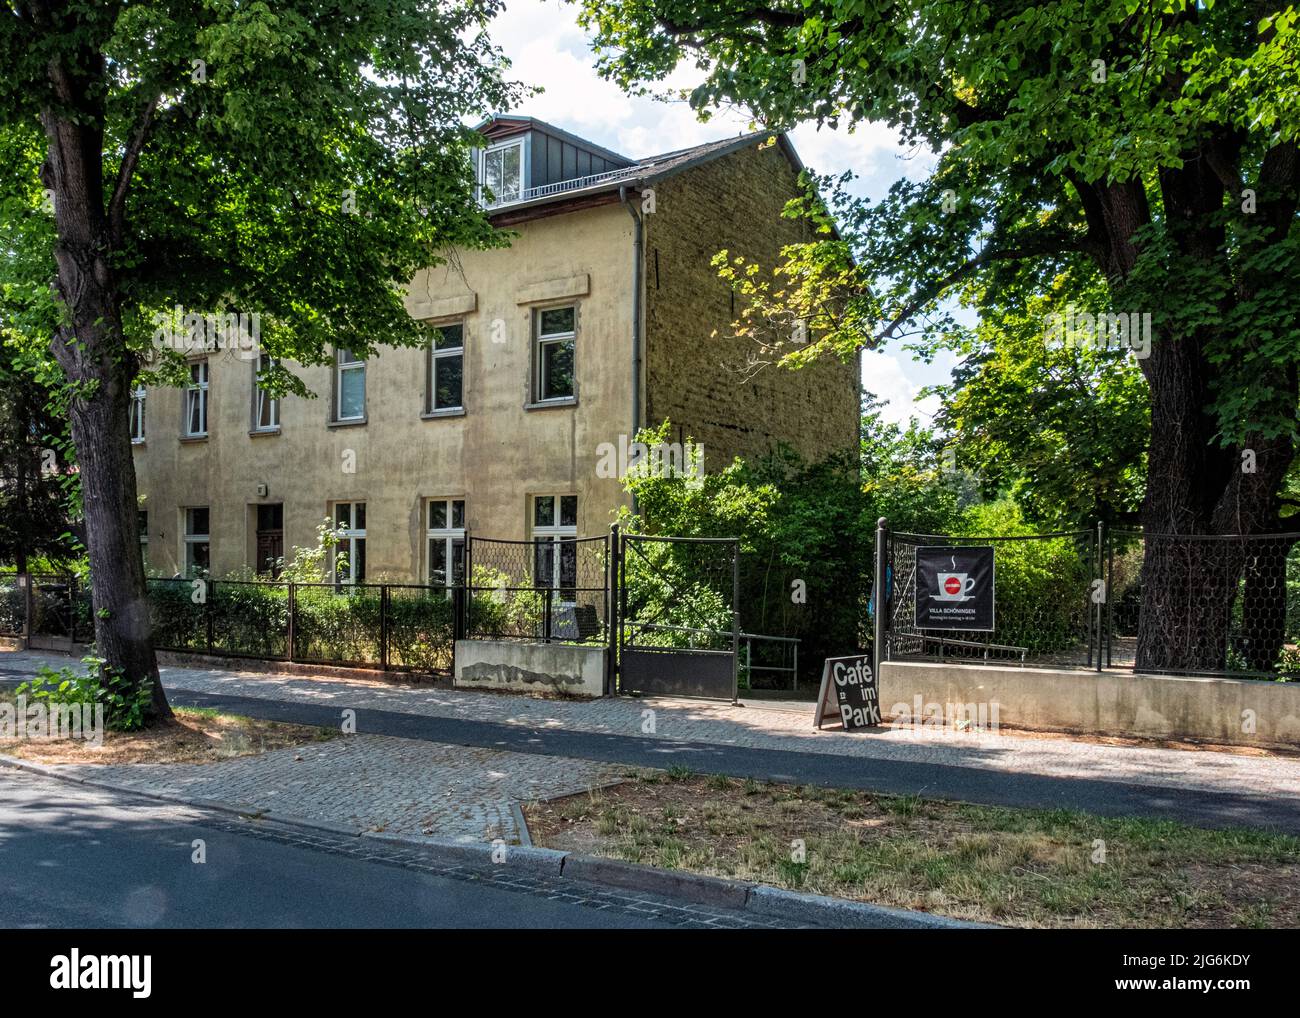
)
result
[(350, 552), (446, 537), (137, 414), (447, 368), (196, 401), (349, 386), (266, 408), (501, 172), (197, 540), (554, 354)]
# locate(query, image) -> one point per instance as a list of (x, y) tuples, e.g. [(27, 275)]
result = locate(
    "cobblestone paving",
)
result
[(757, 727), (373, 782)]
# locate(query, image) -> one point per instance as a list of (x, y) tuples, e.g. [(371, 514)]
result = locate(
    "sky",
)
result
[(547, 48)]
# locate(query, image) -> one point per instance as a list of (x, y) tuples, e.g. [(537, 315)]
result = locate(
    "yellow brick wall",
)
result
[(698, 381)]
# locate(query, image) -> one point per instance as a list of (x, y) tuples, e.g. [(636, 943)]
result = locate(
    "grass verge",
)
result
[(196, 735), (1037, 868)]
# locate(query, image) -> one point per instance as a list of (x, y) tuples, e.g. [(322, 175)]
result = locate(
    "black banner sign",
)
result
[(851, 690), (954, 588)]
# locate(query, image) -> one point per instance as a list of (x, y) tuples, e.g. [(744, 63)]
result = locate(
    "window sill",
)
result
[(193, 439), (549, 404), (137, 443), (430, 415), (351, 423), (262, 432)]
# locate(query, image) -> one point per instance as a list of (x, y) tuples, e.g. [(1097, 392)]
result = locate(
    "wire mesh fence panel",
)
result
[(83, 612), (547, 590), (178, 614), (678, 593), (420, 628), (13, 604), (339, 625), (249, 618), (1044, 613), (1204, 604)]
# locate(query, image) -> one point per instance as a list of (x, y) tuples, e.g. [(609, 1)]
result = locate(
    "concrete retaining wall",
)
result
[(528, 667), (1239, 712)]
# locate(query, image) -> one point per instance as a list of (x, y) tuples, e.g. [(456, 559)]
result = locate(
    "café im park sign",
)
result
[(851, 691)]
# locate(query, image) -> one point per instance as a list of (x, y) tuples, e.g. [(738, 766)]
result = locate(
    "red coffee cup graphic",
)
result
[(955, 586)]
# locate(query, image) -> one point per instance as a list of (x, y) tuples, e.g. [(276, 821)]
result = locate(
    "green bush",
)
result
[(340, 626), (1043, 585), (420, 628), (125, 705)]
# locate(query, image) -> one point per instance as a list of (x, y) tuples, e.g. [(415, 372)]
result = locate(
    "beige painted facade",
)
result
[(501, 452)]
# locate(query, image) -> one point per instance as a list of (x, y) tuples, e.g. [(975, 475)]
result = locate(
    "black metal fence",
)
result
[(1179, 604), (46, 607), (547, 590)]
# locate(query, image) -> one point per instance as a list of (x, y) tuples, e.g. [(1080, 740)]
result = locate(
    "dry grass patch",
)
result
[(195, 735), (1018, 867)]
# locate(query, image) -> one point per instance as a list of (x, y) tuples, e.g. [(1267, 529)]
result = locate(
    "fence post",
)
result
[(546, 621), (383, 626), (1105, 594), (29, 607), (880, 624), (735, 621), (209, 592), (293, 613), (611, 609)]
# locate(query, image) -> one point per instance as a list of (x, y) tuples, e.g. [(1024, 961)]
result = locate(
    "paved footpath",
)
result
[(593, 739)]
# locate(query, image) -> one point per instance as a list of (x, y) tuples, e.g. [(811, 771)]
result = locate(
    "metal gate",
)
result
[(679, 627)]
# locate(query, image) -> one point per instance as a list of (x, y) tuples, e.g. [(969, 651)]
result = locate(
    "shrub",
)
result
[(125, 705)]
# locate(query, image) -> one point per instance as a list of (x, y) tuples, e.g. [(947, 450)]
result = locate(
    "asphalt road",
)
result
[(77, 857)]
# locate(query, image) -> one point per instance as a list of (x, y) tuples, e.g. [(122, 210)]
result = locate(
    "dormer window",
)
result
[(501, 172)]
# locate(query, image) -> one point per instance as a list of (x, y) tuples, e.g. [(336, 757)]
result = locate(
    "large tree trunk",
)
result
[(90, 347)]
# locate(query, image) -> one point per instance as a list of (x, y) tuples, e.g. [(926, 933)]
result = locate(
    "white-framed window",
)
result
[(197, 540), (555, 529), (446, 541), (349, 386), (446, 382), (553, 366), (350, 552), (137, 415), (142, 524), (266, 408), (501, 172), (196, 401)]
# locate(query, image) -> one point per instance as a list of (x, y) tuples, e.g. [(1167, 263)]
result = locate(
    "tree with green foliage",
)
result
[(1063, 430), (1149, 149), (35, 523), (296, 161)]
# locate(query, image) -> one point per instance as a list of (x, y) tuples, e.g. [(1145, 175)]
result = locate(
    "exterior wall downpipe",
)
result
[(637, 259)]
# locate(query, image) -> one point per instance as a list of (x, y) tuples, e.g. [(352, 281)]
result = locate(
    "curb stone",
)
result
[(757, 899)]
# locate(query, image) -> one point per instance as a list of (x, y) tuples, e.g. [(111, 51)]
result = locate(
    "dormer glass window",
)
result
[(501, 173)]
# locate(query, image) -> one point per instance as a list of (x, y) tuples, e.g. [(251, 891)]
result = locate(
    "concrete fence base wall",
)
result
[(555, 667), (1239, 712)]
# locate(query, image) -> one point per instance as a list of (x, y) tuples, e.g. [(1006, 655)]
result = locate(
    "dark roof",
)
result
[(636, 174)]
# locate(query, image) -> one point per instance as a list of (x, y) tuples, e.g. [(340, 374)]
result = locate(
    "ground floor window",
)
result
[(350, 552), (555, 529), (446, 541), (197, 541)]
